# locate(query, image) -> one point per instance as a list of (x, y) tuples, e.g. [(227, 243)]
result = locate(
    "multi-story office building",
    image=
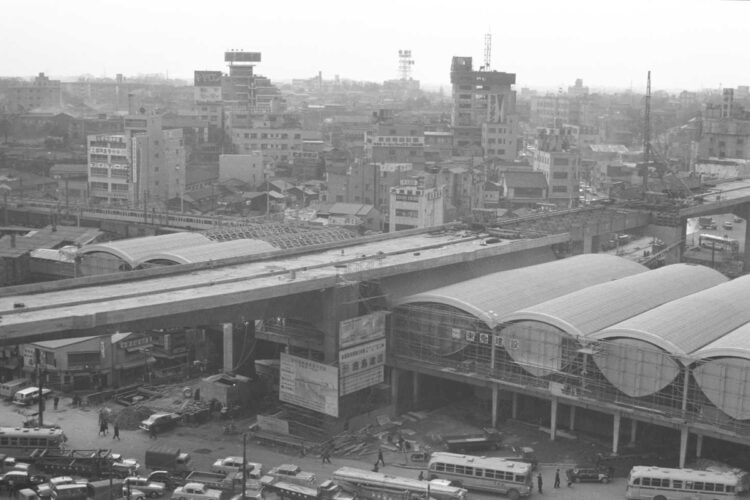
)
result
[(392, 142), (481, 97), (144, 166), (275, 144), (247, 168), (364, 182), (551, 110), (560, 167), (413, 205), (41, 93)]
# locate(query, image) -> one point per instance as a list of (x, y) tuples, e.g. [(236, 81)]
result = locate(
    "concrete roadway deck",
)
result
[(90, 309)]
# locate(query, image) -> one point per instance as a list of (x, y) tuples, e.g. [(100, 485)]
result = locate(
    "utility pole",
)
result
[(244, 464), (37, 354), (647, 133)]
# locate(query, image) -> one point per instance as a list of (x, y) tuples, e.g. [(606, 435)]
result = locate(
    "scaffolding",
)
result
[(282, 235), (541, 359)]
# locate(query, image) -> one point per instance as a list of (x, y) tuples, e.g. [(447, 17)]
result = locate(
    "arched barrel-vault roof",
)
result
[(685, 325), (496, 295), (587, 311), (132, 250), (210, 251)]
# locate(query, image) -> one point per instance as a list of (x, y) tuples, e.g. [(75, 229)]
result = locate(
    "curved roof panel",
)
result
[(726, 383), (734, 344), (132, 250), (211, 251), (591, 309), (496, 295), (685, 325)]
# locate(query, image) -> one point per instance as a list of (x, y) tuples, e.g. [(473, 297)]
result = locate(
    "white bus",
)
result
[(22, 441), (496, 475), (30, 395), (378, 486), (657, 483), (718, 243)]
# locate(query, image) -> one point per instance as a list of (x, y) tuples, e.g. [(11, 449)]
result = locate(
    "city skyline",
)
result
[(687, 44)]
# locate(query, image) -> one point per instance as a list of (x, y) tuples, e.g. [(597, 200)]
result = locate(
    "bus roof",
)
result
[(36, 431), (496, 463), (686, 474), (377, 478), (31, 390)]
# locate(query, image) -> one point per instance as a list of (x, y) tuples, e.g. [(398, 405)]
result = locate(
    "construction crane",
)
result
[(649, 159), (487, 52)]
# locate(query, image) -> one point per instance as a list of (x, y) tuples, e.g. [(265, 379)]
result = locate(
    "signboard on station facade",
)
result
[(354, 331), (207, 78), (309, 384), (362, 366)]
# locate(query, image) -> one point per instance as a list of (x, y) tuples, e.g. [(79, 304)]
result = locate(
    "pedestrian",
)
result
[(326, 456), (557, 479), (116, 432), (152, 432), (380, 457), (569, 473), (105, 424), (101, 427), (375, 467), (12, 488), (57, 401), (421, 476), (539, 482), (302, 451)]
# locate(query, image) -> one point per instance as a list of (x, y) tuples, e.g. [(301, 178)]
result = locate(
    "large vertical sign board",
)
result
[(309, 384), (362, 366), (362, 329)]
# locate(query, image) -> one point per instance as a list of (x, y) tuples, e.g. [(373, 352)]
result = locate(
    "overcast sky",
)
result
[(687, 44)]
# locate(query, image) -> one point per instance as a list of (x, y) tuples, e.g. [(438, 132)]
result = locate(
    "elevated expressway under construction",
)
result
[(320, 285)]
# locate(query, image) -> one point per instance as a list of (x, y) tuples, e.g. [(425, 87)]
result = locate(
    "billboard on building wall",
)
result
[(362, 329), (309, 384), (362, 366), (207, 78), (241, 56)]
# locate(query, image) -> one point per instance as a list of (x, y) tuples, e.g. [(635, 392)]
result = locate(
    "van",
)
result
[(9, 389), (29, 395), (75, 491)]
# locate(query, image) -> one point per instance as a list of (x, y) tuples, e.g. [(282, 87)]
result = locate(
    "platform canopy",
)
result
[(134, 250), (214, 250)]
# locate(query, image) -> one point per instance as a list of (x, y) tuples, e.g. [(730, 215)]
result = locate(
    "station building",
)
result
[(592, 341)]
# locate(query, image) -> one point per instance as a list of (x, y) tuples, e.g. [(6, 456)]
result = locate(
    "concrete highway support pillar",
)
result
[(591, 244), (633, 430), (683, 445), (746, 216), (395, 373), (415, 390), (553, 420), (572, 425), (514, 406), (338, 303), (228, 354), (494, 406), (698, 445), (616, 433)]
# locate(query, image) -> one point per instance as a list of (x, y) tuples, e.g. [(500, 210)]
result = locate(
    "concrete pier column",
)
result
[(337, 303), (633, 430), (698, 445), (553, 419), (616, 433), (591, 244), (746, 216), (683, 445), (228, 351), (415, 390), (572, 425), (494, 406), (514, 406), (395, 373)]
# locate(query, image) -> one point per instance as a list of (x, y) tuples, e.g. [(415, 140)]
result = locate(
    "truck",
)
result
[(278, 489), (195, 491), (168, 459), (93, 464), (231, 481), (105, 489), (8, 389), (488, 439), (706, 223)]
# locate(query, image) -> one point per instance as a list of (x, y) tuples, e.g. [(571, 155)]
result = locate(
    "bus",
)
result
[(18, 441), (30, 395), (496, 475), (718, 243), (378, 486), (659, 483)]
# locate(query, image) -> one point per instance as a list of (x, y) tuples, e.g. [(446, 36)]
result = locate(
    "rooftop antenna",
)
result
[(487, 51)]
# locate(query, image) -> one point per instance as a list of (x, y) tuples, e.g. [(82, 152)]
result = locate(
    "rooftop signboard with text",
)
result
[(207, 78), (241, 56)]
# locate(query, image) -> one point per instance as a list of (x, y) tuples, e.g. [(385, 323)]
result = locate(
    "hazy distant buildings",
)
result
[(550, 110), (479, 98), (725, 131), (248, 168), (38, 94)]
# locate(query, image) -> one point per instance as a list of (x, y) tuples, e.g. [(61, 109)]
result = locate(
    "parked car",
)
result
[(21, 479), (728, 224), (150, 488), (46, 490), (234, 464), (160, 422), (591, 474)]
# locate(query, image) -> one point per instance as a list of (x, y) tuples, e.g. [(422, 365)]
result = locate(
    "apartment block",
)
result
[(413, 205), (40, 93)]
